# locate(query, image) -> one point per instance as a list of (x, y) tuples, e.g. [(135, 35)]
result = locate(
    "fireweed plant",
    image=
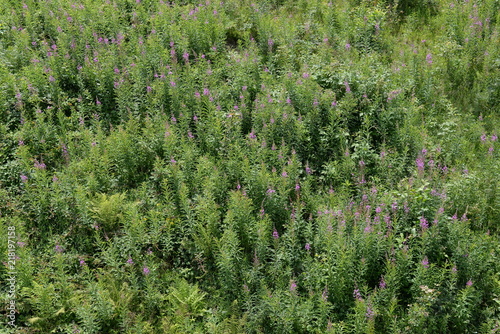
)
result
[(283, 166)]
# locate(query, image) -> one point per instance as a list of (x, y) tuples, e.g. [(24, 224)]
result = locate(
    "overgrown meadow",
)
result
[(284, 166)]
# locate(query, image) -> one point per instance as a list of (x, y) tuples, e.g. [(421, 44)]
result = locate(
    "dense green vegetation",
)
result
[(279, 166)]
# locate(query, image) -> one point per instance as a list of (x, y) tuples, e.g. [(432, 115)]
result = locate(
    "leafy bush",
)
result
[(237, 166)]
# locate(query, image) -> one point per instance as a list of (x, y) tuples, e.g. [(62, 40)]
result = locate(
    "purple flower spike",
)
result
[(423, 223), (428, 58), (356, 294), (425, 262), (382, 283)]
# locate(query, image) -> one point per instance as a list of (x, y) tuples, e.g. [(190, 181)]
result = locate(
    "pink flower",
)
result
[(369, 313), (420, 164), (347, 88), (275, 234), (428, 58), (146, 271), (356, 294), (39, 165), (423, 223), (324, 295), (425, 262)]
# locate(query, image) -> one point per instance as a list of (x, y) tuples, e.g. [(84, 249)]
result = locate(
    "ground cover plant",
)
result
[(279, 166)]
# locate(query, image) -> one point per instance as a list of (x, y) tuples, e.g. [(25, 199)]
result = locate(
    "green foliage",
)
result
[(260, 167), (108, 211)]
